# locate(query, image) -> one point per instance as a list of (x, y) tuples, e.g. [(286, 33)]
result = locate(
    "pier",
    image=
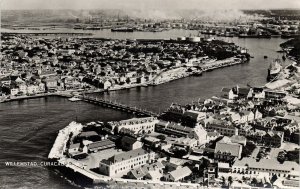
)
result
[(118, 106)]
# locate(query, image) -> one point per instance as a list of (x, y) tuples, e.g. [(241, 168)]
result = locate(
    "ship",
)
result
[(122, 29), (274, 70), (75, 99)]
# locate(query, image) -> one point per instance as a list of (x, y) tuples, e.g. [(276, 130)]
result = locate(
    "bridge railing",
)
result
[(118, 104)]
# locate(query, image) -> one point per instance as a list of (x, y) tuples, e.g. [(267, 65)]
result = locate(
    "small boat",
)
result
[(74, 99), (265, 57)]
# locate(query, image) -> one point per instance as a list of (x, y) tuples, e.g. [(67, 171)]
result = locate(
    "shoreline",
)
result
[(79, 171), (68, 94)]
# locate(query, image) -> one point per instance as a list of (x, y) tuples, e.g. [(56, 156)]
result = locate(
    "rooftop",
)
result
[(267, 164), (126, 155)]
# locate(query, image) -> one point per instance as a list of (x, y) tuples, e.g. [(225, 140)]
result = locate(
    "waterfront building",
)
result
[(120, 164), (137, 125), (228, 93), (51, 83), (14, 91)]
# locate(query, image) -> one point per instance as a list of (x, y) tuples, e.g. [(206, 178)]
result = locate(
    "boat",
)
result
[(74, 99), (122, 29), (274, 70), (265, 57)]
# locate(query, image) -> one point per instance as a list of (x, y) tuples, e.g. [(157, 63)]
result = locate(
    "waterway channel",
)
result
[(28, 128)]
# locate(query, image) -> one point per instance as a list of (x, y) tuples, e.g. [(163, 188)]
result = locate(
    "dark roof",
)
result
[(102, 143), (128, 140), (191, 114), (88, 134), (244, 91), (226, 90)]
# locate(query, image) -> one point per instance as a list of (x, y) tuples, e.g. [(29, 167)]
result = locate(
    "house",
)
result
[(120, 164), (14, 91), (51, 83), (107, 85), (179, 174), (130, 143), (32, 89), (227, 151), (228, 93), (244, 93), (23, 88)]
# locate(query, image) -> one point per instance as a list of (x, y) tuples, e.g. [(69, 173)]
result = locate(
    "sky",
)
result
[(149, 4)]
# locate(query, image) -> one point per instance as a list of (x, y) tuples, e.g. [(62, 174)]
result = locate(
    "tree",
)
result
[(230, 180), (128, 80), (254, 181), (274, 178), (161, 137)]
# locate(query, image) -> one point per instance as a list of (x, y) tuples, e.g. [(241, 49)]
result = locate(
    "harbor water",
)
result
[(28, 128)]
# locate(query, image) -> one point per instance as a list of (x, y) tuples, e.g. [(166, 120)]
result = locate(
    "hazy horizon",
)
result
[(149, 4)]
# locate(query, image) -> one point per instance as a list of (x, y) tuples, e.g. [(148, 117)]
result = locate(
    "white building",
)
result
[(137, 125), (178, 174), (270, 166), (121, 164)]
